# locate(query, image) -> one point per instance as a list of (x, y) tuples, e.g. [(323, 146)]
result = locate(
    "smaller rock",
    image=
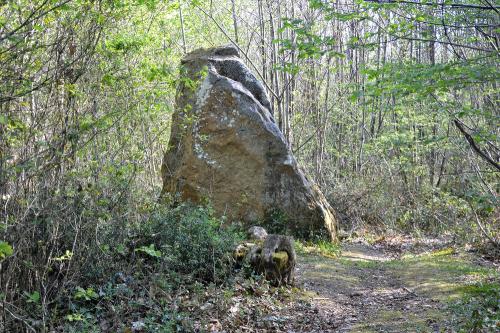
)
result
[(278, 259), (272, 255), (257, 233), (241, 251)]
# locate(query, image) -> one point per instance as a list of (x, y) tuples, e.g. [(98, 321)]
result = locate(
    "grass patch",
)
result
[(442, 252), (361, 263), (321, 247), (445, 261)]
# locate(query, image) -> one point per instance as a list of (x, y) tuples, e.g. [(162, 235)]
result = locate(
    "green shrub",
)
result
[(276, 221), (190, 241), (322, 247), (479, 310)]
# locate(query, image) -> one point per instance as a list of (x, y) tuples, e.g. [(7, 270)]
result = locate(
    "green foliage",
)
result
[(276, 222), (428, 211), (85, 294), (150, 251), (307, 44), (401, 170), (479, 309), (74, 317), (190, 242), (33, 297), (187, 246), (5, 250), (66, 256)]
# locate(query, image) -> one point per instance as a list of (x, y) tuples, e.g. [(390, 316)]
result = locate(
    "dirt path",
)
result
[(366, 290)]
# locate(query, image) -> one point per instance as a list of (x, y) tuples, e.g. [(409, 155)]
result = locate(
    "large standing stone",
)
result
[(226, 147)]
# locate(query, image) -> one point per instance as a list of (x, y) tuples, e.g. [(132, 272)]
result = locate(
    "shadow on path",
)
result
[(365, 290)]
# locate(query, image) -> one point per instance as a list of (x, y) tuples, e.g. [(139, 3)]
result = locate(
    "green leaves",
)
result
[(74, 317), (288, 68), (189, 241), (33, 297), (150, 251), (124, 43), (85, 294), (66, 256), (307, 43), (5, 250)]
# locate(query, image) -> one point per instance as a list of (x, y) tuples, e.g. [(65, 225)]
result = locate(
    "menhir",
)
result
[(226, 147)]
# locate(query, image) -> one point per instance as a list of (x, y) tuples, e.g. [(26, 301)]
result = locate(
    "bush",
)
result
[(479, 310), (190, 241), (384, 206), (276, 221), (56, 261)]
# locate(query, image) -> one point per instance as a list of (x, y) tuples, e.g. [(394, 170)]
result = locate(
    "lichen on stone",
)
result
[(280, 259), (244, 153)]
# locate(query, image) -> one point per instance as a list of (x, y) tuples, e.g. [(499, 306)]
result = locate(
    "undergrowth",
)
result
[(278, 222), (386, 206), (479, 309), (321, 247), (122, 275)]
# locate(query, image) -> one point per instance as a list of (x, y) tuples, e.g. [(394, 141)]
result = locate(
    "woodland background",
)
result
[(391, 106)]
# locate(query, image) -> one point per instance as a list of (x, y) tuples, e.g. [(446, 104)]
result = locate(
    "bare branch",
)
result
[(474, 145), (451, 5)]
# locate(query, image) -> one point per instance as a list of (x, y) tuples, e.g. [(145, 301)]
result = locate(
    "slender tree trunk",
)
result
[(235, 22), (181, 17)]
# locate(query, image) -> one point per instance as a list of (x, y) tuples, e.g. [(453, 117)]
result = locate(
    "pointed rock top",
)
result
[(219, 51)]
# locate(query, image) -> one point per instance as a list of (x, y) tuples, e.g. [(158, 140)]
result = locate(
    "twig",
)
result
[(18, 318), (240, 49), (473, 144), (483, 230), (452, 5), (410, 291)]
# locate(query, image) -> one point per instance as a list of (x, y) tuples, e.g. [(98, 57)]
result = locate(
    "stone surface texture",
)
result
[(226, 147), (256, 233)]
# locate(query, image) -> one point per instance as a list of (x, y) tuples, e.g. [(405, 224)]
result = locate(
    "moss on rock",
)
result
[(280, 259)]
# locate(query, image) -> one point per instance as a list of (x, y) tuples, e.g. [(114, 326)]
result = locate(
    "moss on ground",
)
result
[(412, 294)]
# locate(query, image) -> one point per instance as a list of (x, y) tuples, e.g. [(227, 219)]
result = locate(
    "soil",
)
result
[(377, 289), (393, 285)]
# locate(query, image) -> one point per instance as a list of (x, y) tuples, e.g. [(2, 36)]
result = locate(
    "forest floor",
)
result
[(385, 288), (392, 285)]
